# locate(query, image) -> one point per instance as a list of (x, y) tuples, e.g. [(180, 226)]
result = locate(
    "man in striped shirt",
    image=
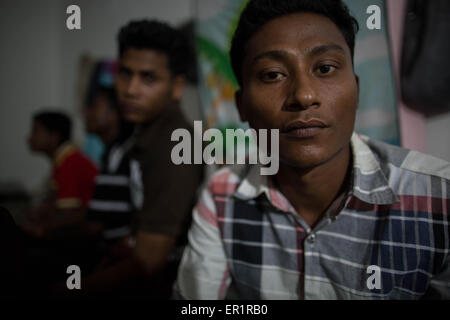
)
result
[(111, 207), (345, 217)]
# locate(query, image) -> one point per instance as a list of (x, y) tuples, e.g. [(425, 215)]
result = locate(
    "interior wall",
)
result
[(438, 136), (31, 60), (432, 134)]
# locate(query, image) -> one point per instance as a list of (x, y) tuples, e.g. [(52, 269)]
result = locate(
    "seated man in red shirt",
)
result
[(72, 180)]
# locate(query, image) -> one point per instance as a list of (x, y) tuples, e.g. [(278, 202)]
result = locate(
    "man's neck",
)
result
[(55, 152), (311, 191)]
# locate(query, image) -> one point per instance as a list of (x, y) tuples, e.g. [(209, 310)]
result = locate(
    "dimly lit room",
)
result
[(225, 150)]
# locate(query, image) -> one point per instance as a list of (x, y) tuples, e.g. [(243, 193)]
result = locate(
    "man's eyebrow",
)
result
[(281, 54), (324, 48), (272, 54)]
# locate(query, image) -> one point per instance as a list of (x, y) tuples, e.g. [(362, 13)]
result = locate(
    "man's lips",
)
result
[(130, 107), (304, 129)]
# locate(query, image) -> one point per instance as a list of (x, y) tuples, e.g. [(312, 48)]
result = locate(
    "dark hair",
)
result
[(56, 122), (159, 36), (259, 12)]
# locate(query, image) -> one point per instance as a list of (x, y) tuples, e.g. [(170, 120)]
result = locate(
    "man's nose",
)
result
[(301, 94), (133, 86)]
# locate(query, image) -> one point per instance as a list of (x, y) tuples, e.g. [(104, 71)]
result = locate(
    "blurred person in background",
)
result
[(111, 209), (72, 179), (51, 230), (153, 60), (111, 206)]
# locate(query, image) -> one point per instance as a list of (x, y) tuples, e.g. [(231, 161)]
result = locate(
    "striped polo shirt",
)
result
[(386, 238), (112, 203)]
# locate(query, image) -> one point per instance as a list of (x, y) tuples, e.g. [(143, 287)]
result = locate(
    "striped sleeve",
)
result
[(203, 271)]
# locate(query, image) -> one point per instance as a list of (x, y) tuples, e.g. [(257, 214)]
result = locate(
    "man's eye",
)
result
[(148, 77), (272, 76), (326, 68)]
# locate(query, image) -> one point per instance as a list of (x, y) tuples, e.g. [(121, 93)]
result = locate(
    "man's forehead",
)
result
[(143, 59), (305, 29)]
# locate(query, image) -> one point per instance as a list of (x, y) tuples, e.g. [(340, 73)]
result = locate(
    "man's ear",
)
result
[(54, 140), (240, 105), (179, 83)]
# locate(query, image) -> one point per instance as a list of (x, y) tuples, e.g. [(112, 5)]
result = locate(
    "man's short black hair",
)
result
[(56, 122), (259, 12), (159, 36)]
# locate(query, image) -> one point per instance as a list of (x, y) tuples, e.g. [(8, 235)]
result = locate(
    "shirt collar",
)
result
[(369, 184), (63, 151), (254, 185), (369, 181)]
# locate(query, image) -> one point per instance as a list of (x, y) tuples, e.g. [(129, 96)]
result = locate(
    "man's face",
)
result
[(298, 77), (145, 85), (41, 139), (99, 116)]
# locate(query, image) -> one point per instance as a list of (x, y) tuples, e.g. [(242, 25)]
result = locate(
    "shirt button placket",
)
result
[(311, 238), (309, 248)]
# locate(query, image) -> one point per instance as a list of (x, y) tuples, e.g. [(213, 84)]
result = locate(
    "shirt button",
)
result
[(311, 238)]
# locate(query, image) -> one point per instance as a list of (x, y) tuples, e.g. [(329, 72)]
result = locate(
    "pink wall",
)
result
[(412, 124)]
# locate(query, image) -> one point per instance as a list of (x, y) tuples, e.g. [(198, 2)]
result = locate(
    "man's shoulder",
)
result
[(77, 160), (411, 175), (174, 119), (414, 162), (179, 120), (158, 134)]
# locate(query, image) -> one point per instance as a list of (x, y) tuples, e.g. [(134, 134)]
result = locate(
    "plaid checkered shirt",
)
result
[(247, 242)]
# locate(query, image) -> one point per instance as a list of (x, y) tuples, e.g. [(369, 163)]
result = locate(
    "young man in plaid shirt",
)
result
[(345, 217)]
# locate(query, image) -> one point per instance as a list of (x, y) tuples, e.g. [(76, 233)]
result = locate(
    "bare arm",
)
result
[(46, 219), (152, 250)]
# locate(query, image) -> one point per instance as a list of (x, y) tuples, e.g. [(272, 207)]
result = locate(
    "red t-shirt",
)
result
[(73, 177)]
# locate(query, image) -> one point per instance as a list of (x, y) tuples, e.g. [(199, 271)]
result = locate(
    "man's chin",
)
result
[(133, 118), (309, 158), (301, 164), (306, 160)]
